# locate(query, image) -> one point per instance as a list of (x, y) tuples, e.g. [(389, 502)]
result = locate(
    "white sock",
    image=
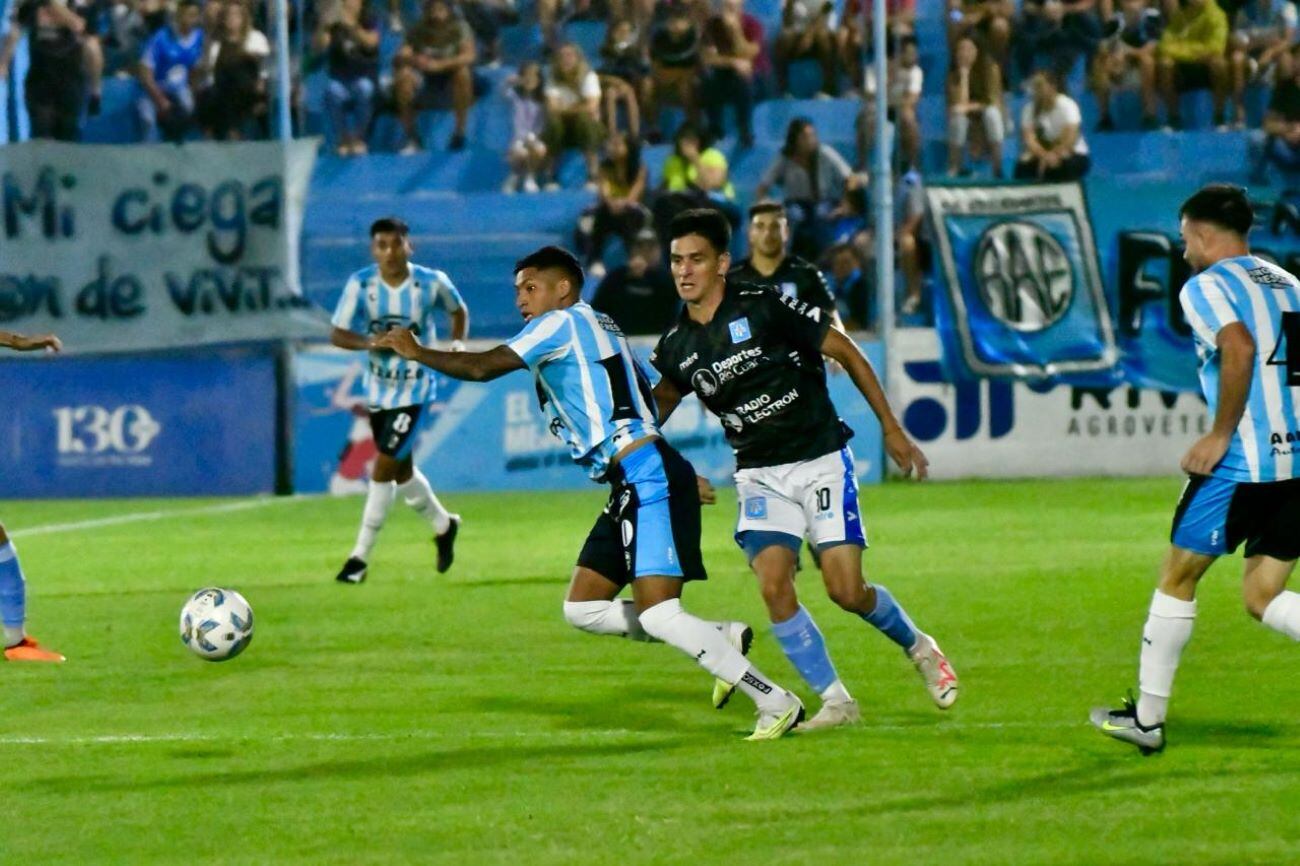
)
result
[(379, 498), (1168, 628), (1283, 614), (705, 642), (835, 693), (417, 493), (14, 635), (617, 617)]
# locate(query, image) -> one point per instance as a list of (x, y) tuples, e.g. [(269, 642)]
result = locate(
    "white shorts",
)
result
[(816, 499)]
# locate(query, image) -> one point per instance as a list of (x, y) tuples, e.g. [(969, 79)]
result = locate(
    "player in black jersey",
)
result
[(770, 265), (754, 358)]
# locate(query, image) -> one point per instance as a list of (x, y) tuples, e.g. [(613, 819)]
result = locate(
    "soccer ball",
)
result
[(216, 624)]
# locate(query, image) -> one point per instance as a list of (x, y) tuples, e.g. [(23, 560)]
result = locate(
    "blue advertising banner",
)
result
[(1024, 298), (493, 437), (176, 425)]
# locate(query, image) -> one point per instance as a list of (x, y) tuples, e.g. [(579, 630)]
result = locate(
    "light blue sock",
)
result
[(892, 620), (804, 646), (13, 594)]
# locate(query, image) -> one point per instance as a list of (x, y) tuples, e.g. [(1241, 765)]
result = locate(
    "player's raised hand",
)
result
[(1205, 454), (708, 495), (399, 340), (903, 451)]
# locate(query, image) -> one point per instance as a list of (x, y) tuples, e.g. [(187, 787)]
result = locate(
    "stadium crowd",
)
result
[(201, 70)]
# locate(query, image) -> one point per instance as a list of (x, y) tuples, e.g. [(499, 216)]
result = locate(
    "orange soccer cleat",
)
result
[(30, 651)]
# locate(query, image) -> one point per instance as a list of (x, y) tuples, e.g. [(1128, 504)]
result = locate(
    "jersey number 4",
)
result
[(1287, 351)]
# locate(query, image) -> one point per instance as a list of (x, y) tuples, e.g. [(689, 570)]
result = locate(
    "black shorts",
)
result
[(1192, 76), (651, 525), (1215, 515), (394, 430)]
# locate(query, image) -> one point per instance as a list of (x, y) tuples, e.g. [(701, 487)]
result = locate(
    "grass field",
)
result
[(419, 719)]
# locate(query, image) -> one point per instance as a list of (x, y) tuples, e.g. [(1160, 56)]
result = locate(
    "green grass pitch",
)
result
[(458, 719)]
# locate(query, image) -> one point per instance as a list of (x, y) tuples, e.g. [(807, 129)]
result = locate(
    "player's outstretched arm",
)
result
[(1236, 369), (22, 343), (468, 366), (901, 449)]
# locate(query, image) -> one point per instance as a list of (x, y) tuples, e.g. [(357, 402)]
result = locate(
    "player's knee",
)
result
[(1256, 599)]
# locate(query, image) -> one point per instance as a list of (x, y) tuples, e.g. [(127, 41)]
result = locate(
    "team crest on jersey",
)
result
[(740, 330), (790, 290), (756, 508)]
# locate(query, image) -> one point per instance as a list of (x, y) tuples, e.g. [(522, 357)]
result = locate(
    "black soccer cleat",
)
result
[(353, 571), (447, 544)]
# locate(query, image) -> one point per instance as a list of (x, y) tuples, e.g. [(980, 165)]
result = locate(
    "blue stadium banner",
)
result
[(162, 425), (124, 248), (1024, 296), (493, 437)]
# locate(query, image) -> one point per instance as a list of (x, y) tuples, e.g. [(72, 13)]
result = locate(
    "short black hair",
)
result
[(768, 206), (1223, 204), (390, 225), (705, 222), (553, 257)]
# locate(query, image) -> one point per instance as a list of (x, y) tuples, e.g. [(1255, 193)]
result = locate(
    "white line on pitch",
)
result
[(150, 516), (145, 739)]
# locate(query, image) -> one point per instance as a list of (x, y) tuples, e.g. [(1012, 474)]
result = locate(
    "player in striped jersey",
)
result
[(394, 293), (596, 396), (18, 645), (1243, 484)]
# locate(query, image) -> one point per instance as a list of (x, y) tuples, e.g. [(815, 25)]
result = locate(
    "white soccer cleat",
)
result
[(933, 666), (741, 637), (833, 714)]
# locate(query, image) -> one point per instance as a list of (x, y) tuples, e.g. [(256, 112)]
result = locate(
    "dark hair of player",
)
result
[(1222, 204), (389, 225), (766, 207), (553, 257), (705, 222)]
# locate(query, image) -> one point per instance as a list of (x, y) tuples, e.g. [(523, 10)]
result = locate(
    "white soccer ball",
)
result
[(216, 624)]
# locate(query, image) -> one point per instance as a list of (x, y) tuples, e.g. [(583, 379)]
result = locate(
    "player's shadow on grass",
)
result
[(548, 580), (1231, 734), (629, 710), (387, 766)]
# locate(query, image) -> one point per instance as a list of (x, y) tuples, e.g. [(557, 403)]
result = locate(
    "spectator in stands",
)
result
[(624, 75), (812, 177), (900, 23), (166, 75), (854, 300), (129, 27), (904, 93), (675, 61), (974, 95), (235, 92), (55, 87), (526, 154), (1191, 57), (639, 296), (619, 208), (1128, 53), (1054, 34), (395, 22), (486, 18), (1052, 147), (1277, 146), (808, 31), (728, 57), (551, 15), (694, 175), (350, 38), (572, 111), (433, 67), (1260, 48), (986, 22)]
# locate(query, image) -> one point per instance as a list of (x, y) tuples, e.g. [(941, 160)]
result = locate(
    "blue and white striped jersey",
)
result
[(592, 388), (1266, 299), (369, 306)]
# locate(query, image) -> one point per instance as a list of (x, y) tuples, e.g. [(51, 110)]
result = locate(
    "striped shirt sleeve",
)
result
[(544, 337), (349, 314), (447, 296), (1208, 306)]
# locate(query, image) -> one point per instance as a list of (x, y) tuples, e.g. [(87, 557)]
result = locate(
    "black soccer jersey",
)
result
[(757, 365), (797, 277)]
